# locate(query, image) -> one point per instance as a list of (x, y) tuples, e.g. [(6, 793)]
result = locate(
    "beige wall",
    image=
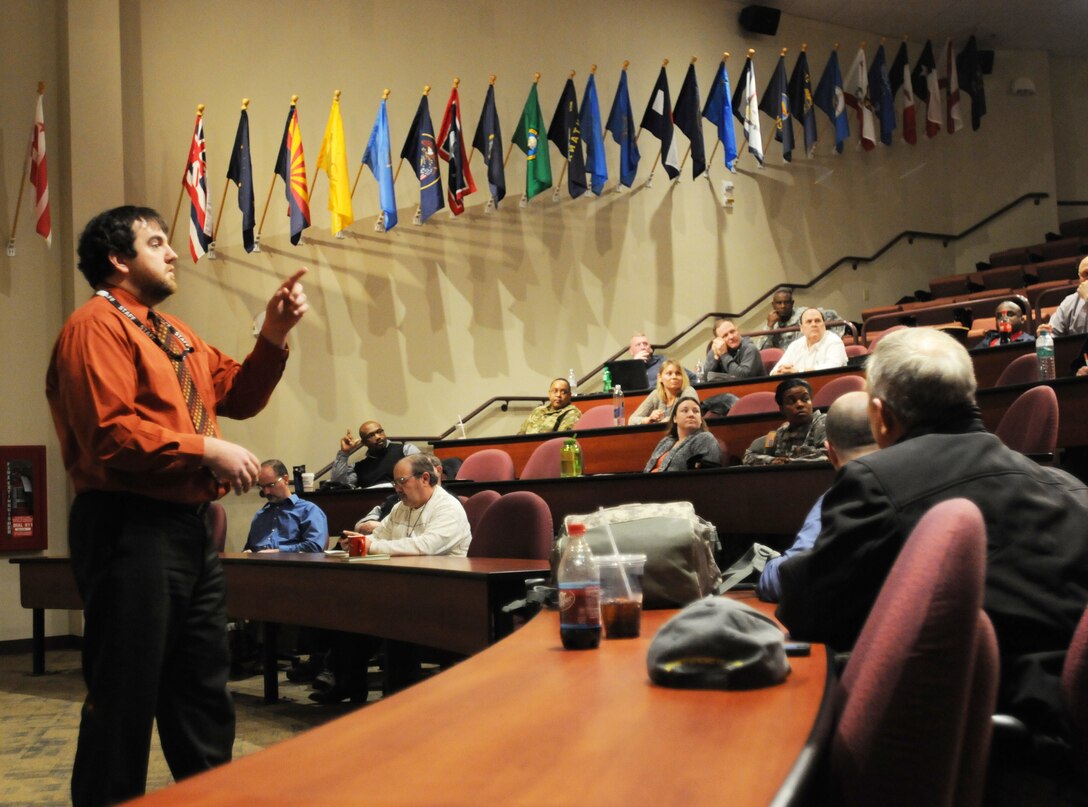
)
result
[(422, 323)]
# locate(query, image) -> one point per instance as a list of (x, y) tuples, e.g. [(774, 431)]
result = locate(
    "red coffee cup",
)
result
[(357, 547)]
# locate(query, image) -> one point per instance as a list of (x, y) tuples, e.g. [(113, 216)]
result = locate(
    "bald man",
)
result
[(382, 455)]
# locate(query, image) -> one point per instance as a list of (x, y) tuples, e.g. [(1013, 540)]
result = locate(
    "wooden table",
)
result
[(527, 723), (443, 602)]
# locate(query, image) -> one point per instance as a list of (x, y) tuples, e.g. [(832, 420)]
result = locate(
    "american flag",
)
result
[(39, 176), (195, 183)]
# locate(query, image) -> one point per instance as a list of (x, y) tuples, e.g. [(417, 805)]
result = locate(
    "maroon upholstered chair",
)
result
[(770, 356), (596, 417), (882, 334), (754, 403), (856, 350), (1075, 685), (1021, 370), (829, 392), (1030, 425), (913, 705), (488, 465), (543, 463), (518, 525), (476, 505), (216, 519)]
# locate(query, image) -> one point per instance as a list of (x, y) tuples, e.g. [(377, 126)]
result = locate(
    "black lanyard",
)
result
[(150, 333)]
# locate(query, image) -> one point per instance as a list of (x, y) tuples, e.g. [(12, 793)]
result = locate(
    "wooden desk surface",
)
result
[(527, 723)]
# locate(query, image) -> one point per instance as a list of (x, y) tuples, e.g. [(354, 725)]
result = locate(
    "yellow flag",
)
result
[(334, 159)]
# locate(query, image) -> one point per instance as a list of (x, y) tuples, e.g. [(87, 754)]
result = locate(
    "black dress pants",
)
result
[(154, 645)]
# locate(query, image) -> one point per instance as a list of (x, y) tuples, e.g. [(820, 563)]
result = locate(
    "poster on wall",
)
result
[(22, 498)]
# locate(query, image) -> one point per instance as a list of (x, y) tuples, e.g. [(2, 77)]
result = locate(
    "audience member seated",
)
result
[(934, 447), (784, 315), (1010, 327), (558, 415), (731, 357), (377, 466), (368, 523), (287, 523), (820, 349), (848, 437), (657, 406), (641, 349), (1072, 313), (800, 438), (688, 444)]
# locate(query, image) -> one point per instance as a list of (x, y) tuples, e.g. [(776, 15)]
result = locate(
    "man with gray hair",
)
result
[(848, 437), (934, 447)]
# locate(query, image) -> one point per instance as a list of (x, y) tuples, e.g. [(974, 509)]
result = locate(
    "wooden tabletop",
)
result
[(527, 723)]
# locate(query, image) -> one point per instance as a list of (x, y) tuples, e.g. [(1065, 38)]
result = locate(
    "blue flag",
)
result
[(776, 105), (488, 141), (379, 159), (718, 110), (881, 96), (830, 98), (801, 101), (240, 171), (593, 137), (421, 152), (686, 115), (621, 123)]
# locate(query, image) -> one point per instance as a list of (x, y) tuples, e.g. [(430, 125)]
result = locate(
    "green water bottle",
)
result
[(607, 377)]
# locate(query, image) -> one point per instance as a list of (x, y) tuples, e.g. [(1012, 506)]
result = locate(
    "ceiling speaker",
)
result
[(760, 19)]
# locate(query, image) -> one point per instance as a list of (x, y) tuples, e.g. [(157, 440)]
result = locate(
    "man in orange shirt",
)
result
[(134, 398)]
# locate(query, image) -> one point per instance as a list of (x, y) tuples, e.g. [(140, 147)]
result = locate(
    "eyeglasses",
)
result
[(269, 485), (401, 481)]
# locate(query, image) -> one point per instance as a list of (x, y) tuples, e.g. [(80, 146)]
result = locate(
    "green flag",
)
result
[(531, 137)]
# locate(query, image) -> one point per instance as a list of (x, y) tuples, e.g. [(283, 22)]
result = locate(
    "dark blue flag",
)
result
[(719, 111), (776, 105), (657, 120), (421, 152), (621, 123), (565, 131), (881, 96), (967, 63), (801, 101), (488, 141), (686, 115), (240, 171), (830, 98), (596, 165)]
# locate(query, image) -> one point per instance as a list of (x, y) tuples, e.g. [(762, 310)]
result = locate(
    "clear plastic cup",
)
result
[(621, 594)]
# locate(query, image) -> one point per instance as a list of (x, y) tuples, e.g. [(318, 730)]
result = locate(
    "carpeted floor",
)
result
[(39, 723)]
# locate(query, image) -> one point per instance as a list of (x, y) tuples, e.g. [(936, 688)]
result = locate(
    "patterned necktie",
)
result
[(173, 346)]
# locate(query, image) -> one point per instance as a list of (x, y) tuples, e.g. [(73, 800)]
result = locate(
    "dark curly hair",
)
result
[(110, 233)]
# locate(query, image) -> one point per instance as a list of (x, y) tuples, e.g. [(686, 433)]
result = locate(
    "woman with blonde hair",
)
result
[(672, 382)]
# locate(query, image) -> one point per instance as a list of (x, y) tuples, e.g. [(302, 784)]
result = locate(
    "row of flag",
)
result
[(37, 170)]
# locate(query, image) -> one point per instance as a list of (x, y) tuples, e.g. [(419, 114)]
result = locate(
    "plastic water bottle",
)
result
[(619, 416), (606, 378), (700, 375), (572, 380), (1044, 352), (579, 593)]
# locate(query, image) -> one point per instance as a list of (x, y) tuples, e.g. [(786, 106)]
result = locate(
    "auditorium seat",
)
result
[(1002, 277), (1030, 425), (488, 465), (597, 417), (1058, 269), (1075, 687), (856, 350), (1021, 370), (1062, 248), (829, 392), (872, 341), (1009, 257), (476, 505), (770, 356), (913, 705), (517, 525), (754, 403), (948, 286), (1073, 227), (543, 463)]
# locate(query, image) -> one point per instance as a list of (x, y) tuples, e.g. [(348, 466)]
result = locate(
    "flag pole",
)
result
[(566, 160), (426, 92), (472, 151), (181, 194), (22, 182), (260, 229), (687, 153), (506, 159), (767, 145), (359, 173), (223, 201), (317, 170), (713, 151)]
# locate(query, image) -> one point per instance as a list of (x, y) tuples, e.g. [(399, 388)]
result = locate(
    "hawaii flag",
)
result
[(39, 176), (196, 185)]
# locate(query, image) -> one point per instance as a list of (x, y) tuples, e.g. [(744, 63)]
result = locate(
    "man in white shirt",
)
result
[(1072, 313)]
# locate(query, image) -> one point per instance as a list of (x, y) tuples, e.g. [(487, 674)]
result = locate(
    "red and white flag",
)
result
[(39, 176), (910, 126), (196, 184), (951, 84), (856, 90)]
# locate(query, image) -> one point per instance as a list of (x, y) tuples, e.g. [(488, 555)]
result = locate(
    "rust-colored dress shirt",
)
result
[(119, 410)]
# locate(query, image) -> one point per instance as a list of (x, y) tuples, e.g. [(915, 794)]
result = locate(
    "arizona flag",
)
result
[(451, 148), (39, 176), (856, 89), (291, 168), (951, 84), (196, 185)]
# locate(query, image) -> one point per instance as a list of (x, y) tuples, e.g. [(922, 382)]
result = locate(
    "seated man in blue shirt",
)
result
[(849, 436), (287, 523)]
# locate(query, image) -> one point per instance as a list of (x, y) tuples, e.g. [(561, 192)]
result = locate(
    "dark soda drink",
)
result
[(622, 619)]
